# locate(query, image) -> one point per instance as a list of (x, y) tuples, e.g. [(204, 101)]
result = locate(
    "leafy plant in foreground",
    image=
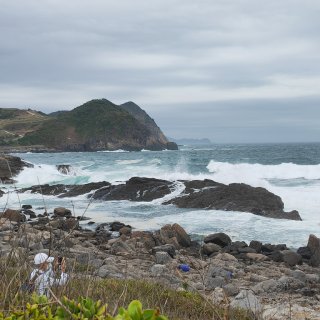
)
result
[(83, 309)]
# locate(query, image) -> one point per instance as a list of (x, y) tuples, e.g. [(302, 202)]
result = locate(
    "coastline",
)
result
[(221, 270)]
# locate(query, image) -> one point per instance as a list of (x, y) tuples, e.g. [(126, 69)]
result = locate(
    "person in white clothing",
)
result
[(44, 277)]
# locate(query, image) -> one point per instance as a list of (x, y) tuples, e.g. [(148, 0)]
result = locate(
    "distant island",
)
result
[(191, 141), (96, 125)]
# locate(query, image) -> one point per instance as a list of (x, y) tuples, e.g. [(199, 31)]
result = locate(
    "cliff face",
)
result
[(99, 125)]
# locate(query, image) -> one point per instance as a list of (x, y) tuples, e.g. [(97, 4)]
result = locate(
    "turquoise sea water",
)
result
[(291, 171)]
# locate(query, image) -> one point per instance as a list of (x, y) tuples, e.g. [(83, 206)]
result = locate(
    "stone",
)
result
[(163, 257), (6, 224), (175, 235), (225, 257), (209, 248), (62, 212), (165, 248), (270, 285), (218, 296), (13, 215), (183, 238), (116, 226), (65, 169), (70, 224), (298, 274), (30, 213), (305, 252), (219, 238), (289, 283), (106, 271), (120, 247), (291, 258), (257, 257), (256, 245), (215, 271), (314, 247), (247, 250), (231, 290), (216, 282), (312, 278), (237, 197), (125, 231), (26, 206), (158, 270), (10, 166), (96, 263), (135, 189), (248, 301)]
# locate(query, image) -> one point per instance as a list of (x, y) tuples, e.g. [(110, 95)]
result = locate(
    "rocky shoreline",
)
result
[(268, 279)]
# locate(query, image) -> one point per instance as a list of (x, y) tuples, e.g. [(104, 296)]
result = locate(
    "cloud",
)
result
[(164, 55)]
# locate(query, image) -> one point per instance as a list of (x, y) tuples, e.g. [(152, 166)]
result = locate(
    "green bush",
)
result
[(82, 309)]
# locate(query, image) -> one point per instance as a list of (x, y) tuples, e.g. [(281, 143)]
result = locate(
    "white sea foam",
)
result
[(257, 173), (113, 151)]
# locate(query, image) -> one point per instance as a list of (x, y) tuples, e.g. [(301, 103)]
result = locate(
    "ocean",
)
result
[(291, 171)]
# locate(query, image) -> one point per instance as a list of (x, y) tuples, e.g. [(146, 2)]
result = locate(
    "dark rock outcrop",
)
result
[(63, 191), (237, 197), (135, 189), (65, 168), (10, 166)]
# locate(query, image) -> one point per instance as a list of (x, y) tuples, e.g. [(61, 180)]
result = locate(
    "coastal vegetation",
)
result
[(96, 125)]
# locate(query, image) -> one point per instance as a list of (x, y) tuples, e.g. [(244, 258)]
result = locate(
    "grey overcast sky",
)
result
[(231, 71)]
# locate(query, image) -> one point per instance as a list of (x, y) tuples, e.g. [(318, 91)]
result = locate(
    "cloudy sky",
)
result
[(231, 71)]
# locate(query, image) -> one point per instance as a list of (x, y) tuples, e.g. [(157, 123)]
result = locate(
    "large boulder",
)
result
[(172, 234), (247, 300), (314, 247), (62, 212), (170, 249), (13, 215), (237, 197), (220, 238), (291, 258), (10, 166), (135, 189)]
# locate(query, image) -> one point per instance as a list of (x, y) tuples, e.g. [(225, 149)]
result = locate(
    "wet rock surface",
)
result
[(201, 194), (135, 189), (10, 166), (237, 197), (63, 191)]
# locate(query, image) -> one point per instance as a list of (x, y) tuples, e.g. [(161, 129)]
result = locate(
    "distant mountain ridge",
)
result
[(96, 125)]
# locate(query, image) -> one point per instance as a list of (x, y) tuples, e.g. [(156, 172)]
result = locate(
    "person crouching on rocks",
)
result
[(44, 277)]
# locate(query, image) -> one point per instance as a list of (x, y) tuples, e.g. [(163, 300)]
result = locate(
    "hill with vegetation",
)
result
[(15, 123), (95, 125)]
